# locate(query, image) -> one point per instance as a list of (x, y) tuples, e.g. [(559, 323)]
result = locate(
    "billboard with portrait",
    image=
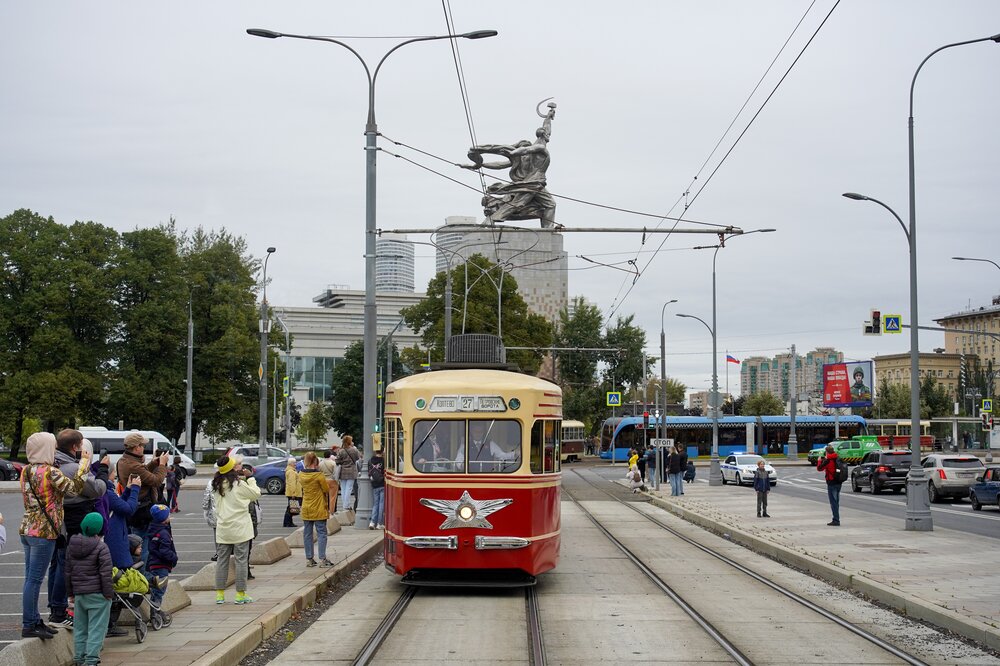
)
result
[(848, 384)]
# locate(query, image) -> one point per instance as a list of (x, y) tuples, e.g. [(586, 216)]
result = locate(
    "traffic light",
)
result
[(987, 421), (645, 420)]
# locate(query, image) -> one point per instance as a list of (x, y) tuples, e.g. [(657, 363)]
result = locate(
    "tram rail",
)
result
[(714, 632)]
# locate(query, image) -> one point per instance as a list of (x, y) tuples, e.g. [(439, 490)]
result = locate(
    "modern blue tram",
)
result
[(759, 434)]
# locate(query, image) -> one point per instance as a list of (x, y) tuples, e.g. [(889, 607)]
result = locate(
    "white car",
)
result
[(251, 451), (739, 469)]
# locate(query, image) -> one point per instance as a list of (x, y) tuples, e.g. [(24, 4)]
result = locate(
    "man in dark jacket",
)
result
[(69, 445), (682, 463), (828, 464), (151, 476), (88, 583)]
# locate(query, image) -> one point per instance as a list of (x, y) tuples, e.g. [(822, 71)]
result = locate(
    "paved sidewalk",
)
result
[(948, 578)]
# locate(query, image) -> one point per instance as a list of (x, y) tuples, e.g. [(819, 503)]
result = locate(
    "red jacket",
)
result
[(828, 463)]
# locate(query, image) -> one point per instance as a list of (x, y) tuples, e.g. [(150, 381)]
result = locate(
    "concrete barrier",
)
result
[(345, 517), (34, 651), (205, 578), (270, 551)]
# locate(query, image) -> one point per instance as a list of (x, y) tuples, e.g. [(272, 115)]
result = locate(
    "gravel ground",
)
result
[(294, 628)]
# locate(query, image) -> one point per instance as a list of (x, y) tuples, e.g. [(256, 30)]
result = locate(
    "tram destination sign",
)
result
[(467, 403)]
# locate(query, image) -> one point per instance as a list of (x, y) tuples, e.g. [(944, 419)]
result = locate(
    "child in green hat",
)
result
[(89, 587)]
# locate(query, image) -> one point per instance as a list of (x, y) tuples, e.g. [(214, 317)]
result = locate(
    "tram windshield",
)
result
[(443, 446)]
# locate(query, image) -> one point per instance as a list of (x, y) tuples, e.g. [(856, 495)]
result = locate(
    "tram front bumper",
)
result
[(482, 542)]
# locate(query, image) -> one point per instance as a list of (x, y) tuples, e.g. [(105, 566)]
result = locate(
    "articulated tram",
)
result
[(472, 476)]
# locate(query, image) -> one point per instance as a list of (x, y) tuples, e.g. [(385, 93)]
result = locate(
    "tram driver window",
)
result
[(545, 456), (494, 446), (439, 447)]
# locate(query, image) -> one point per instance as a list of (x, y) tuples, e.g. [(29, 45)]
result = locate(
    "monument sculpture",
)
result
[(525, 196)]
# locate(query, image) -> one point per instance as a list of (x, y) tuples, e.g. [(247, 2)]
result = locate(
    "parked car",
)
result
[(986, 490), (951, 475), (113, 443), (271, 477), (815, 454), (10, 470), (252, 450), (739, 469), (880, 470)]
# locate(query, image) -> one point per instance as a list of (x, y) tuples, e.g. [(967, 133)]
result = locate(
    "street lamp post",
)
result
[(288, 377), (371, 134), (660, 429), (265, 328), (189, 390), (918, 511), (715, 471), (989, 450)]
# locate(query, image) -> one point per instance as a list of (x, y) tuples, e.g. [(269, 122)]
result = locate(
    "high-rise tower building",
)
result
[(393, 264)]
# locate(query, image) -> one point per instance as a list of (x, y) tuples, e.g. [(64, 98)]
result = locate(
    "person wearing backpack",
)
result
[(376, 472), (836, 473)]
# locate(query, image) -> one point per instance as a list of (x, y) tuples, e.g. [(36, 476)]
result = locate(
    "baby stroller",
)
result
[(132, 590)]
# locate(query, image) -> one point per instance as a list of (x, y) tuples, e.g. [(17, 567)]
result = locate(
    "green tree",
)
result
[(476, 304), (347, 383), (893, 400), (625, 359), (764, 403), (577, 370), (314, 423)]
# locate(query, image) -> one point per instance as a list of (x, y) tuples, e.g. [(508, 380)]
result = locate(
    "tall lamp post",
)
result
[(660, 430), (287, 386), (371, 133), (715, 471), (265, 328), (189, 390), (918, 510), (989, 450)]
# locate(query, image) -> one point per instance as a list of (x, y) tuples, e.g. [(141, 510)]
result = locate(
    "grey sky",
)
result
[(128, 113)]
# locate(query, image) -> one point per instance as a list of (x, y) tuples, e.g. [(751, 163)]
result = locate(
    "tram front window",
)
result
[(439, 447), (494, 447)]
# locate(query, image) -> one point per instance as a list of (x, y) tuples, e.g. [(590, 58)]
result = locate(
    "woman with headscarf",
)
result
[(293, 491), (233, 489), (43, 488)]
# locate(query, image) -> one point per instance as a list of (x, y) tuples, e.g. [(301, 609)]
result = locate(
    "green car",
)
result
[(850, 450)]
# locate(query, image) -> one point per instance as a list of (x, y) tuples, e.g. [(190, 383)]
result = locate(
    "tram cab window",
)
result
[(439, 446), (494, 446), (545, 447)]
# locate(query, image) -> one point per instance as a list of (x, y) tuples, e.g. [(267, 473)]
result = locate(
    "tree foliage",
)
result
[(474, 306), (314, 423), (93, 328), (347, 384), (893, 400), (763, 403)]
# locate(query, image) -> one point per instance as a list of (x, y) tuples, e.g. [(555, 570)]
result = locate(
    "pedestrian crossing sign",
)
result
[(614, 398), (987, 405), (892, 323)]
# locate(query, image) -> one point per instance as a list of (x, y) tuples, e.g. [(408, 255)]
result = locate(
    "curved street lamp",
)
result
[(262, 371), (371, 133), (918, 510)]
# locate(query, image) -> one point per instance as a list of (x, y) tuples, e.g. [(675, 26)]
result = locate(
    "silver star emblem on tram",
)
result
[(465, 511)]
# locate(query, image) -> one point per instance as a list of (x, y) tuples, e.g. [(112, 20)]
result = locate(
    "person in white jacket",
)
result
[(233, 489)]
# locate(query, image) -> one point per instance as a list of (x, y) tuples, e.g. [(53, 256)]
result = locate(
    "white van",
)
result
[(113, 442)]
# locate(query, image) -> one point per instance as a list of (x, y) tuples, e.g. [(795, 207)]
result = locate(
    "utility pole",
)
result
[(793, 444)]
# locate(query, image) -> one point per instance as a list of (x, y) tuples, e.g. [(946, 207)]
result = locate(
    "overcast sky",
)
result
[(129, 113)]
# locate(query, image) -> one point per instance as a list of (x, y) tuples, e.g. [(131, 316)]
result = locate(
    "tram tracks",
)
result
[(689, 609), (536, 647)]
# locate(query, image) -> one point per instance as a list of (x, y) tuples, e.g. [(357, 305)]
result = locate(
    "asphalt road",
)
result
[(192, 536), (803, 483)]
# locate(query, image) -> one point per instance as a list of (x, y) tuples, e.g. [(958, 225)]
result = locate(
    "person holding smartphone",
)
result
[(116, 534)]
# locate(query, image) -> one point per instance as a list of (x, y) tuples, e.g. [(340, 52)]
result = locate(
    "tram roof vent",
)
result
[(476, 348)]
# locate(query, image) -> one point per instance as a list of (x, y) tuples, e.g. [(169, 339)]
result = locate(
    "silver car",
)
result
[(951, 475)]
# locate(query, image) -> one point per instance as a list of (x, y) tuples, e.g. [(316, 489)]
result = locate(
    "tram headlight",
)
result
[(466, 512)]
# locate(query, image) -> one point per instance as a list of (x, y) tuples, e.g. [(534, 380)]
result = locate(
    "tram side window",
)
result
[(545, 454), (393, 445), (439, 446)]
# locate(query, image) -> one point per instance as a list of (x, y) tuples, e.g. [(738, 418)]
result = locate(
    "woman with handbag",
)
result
[(43, 488), (293, 491), (347, 459)]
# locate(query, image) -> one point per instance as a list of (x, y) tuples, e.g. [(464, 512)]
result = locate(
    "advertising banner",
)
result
[(848, 384)]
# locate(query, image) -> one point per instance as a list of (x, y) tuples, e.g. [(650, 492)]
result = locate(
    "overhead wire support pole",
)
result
[(735, 231)]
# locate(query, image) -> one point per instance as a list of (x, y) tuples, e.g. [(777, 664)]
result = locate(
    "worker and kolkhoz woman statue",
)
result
[(525, 196)]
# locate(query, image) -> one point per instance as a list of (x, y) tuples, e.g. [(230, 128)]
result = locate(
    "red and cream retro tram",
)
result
[(472, 476)]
